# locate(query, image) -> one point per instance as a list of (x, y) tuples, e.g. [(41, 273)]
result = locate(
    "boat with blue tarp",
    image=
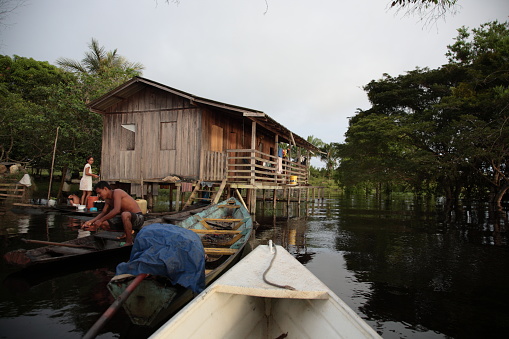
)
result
[(181, 260)]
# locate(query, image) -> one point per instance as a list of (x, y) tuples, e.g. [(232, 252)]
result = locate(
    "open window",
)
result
[(128, 136)]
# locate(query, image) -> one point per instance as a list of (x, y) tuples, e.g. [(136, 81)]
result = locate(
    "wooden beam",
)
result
[(220, 251), (215, 231), (222, 219)]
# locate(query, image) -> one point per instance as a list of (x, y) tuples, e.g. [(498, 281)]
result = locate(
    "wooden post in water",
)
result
[(177, 198), (170, 197), (52, 164)]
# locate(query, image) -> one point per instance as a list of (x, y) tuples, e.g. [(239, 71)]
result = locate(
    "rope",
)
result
[(288, 287)]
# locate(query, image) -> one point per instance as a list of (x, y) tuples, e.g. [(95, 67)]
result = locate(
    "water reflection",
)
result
[(410, 268)]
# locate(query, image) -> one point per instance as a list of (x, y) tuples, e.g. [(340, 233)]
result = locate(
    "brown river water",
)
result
[(409, 269)]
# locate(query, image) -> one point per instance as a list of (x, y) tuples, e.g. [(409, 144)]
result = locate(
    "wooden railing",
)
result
[(11, 190), (252, 166), (213, 166)]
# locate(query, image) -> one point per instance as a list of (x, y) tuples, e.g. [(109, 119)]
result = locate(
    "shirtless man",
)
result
[(120, 212)]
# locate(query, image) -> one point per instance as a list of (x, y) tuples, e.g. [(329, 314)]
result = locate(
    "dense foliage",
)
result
[(36, 98), (442, 130)]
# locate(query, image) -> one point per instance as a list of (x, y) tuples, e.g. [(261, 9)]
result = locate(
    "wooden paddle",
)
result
[(110, 312), (56, 243)]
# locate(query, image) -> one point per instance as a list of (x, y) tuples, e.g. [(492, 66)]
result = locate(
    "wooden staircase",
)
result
[(203, 192)]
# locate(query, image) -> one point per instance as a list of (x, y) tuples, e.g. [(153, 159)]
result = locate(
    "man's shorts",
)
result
[(137, 220)]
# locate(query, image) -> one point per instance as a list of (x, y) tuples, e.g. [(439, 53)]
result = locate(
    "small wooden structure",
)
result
[(12, 191), (152, 131)]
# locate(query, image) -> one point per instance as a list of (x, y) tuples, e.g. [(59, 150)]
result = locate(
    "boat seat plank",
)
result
[(247, 277), (220, 251), (228, 206), (215, 231), (222, 219)]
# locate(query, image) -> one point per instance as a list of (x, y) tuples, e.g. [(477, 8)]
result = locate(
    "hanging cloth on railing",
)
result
[(187, 187), (279, 165)]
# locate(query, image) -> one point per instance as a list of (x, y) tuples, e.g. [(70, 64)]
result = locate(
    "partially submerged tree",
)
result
[(447, 127)]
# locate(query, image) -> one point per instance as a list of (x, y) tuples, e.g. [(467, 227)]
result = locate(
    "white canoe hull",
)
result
[(241, 305)]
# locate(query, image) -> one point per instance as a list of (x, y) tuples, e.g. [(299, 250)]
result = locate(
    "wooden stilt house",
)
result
[(152, 131)]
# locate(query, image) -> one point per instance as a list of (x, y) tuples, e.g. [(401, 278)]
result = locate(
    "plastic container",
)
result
[(93, 209), (99, 204), (143, 205), (81, 207), (90, 201), (293, 180)]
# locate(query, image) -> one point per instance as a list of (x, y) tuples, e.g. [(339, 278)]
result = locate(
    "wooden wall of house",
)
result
[(166, 142), (236, 133)]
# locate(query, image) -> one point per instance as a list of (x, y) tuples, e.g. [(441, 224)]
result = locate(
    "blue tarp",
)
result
[(170, 251)]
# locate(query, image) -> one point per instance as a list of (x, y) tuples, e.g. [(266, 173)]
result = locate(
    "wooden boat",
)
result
[(85, 248), (103, 243), (242, 303), (66, 209), (224, 229)]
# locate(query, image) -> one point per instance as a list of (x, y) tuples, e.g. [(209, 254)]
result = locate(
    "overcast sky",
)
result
[(303, 62)]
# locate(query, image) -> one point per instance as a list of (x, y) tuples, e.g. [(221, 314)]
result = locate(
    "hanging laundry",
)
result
[(187, 187)]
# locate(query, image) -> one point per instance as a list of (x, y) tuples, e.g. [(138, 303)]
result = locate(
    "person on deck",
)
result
[(120, 212), (86, 180)]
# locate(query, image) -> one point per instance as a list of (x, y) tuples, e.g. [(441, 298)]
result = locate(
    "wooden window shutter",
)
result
[(168, 135), (216, 139)]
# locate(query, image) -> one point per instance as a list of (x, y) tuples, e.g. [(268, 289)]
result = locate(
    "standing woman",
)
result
[(86, 180)]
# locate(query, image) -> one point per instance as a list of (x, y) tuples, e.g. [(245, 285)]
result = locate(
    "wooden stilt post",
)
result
[(253, 201), (170, 197), (177, 198), (240, 198)]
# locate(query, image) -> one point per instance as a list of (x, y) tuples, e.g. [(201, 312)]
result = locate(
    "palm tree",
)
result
[(100, 70), (98, 61)]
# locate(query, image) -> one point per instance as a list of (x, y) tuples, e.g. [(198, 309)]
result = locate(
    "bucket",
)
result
[(90, 201), (52, 202), (143, 205), (99, 204), (293, 180)]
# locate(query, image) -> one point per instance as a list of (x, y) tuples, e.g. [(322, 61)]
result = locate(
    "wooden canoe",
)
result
[(102, 243), (225, 228), (86, 248), (241, 304)]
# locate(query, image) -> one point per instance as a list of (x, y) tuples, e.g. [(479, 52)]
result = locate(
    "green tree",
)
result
[(446, 127), (26, 86), (100, 70)]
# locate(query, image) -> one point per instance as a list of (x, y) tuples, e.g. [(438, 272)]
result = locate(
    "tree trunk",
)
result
[(499, 194)]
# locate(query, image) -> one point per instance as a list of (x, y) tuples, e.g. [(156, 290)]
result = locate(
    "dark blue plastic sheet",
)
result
[(170, 251)]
